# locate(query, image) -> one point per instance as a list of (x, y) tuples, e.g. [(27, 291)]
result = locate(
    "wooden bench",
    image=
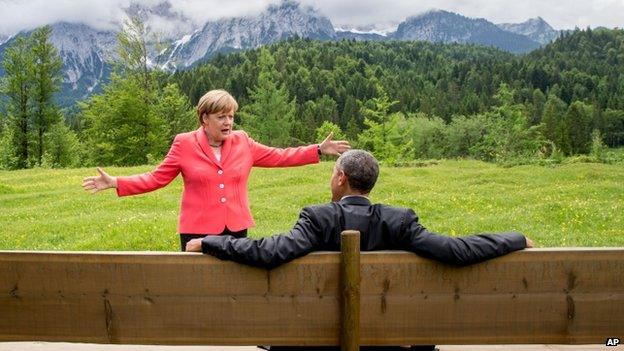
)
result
[(547, 296)]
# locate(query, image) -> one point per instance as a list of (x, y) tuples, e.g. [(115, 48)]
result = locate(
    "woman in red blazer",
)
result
[(215, 162)]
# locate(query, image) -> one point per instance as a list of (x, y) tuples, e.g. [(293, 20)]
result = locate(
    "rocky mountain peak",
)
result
[(444, 26), (535, 28), (86, 52), (277, 22)]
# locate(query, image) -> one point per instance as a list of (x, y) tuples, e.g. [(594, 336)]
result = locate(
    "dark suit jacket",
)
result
[(381, 228)]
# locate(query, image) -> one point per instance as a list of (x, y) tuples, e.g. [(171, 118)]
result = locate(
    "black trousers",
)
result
[(185, 238)]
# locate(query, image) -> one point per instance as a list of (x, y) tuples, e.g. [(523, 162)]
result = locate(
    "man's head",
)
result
[(355, 173)]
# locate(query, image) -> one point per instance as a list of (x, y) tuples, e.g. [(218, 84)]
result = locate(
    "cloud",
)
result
[(202, 11), (560, 14), (25, 15), (19, 15)]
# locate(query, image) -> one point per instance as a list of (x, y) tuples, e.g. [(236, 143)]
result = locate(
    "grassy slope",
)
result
[(569, 205)]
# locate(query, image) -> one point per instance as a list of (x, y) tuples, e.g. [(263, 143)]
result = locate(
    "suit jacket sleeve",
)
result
[(266, 156), (268, 252), (158, 178), (459, 251)]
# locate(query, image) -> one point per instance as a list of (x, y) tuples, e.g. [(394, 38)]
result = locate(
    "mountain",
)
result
[(86, 55), (358, 35), (449, 27), (368, 32), (535, 28), (162, 19), (276, 23), (446, 27), (85, 52)]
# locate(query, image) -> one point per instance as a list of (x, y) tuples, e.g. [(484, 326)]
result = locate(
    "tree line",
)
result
[(402, 100), (432, 100), (131, 122)]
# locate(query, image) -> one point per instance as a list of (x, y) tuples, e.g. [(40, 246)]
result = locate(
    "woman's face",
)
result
[(218, 125)]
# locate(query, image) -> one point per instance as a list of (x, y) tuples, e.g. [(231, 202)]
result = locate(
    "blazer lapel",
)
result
[(227, 146), (202, 140)]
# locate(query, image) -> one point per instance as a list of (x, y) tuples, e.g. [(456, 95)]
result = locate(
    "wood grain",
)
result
[(552, 296)]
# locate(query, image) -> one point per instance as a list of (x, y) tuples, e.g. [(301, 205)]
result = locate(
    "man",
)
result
[(381, 227)]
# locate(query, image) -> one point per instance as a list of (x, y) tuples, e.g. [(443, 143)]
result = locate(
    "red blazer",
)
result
[(215, 192)]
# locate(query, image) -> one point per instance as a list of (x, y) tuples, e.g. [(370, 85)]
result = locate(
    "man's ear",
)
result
[(342, 178)]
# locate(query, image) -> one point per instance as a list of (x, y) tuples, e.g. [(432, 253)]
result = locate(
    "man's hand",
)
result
[(333, 147), (194, 245), (529, 243)]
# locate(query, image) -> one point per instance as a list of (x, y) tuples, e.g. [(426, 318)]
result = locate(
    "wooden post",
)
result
[(350, 287)]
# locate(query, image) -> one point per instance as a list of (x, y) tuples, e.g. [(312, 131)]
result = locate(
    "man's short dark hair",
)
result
[(361, 169)]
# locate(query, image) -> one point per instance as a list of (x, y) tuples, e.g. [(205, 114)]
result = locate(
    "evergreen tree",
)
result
[(305, 124), (578, 127), (300, 85), (174, 107), (126, 125), (17, 86), (351, 113), (389, 141), (376, 111), (613, 127), (436, 79), (537, 106), (46, 81), (327, 110), (553, 122), (269, 118)]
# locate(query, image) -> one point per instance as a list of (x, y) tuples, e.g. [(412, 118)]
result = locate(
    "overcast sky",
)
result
[(18, 15)]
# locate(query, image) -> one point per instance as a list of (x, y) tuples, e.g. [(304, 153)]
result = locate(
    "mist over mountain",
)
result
[(167, 24), (180, 43), (276, 23), (86, 54)]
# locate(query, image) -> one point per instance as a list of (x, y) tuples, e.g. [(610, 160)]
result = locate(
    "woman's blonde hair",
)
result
[(215, 101)]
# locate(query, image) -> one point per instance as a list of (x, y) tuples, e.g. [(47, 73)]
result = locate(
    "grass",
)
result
[(579, 204)]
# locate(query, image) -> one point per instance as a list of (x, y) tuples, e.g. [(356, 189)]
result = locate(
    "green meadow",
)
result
[(579, 204)]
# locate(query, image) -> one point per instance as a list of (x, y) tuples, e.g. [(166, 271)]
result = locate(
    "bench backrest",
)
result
[(553, 296)]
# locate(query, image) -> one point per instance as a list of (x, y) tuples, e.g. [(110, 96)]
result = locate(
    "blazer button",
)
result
[(221, 186), (222, 199), (220, 171)]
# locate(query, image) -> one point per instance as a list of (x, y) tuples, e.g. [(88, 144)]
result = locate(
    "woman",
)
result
[(215, 163)]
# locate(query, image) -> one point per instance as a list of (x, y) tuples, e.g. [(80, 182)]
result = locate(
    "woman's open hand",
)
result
[(101, 182), (333, 147)]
